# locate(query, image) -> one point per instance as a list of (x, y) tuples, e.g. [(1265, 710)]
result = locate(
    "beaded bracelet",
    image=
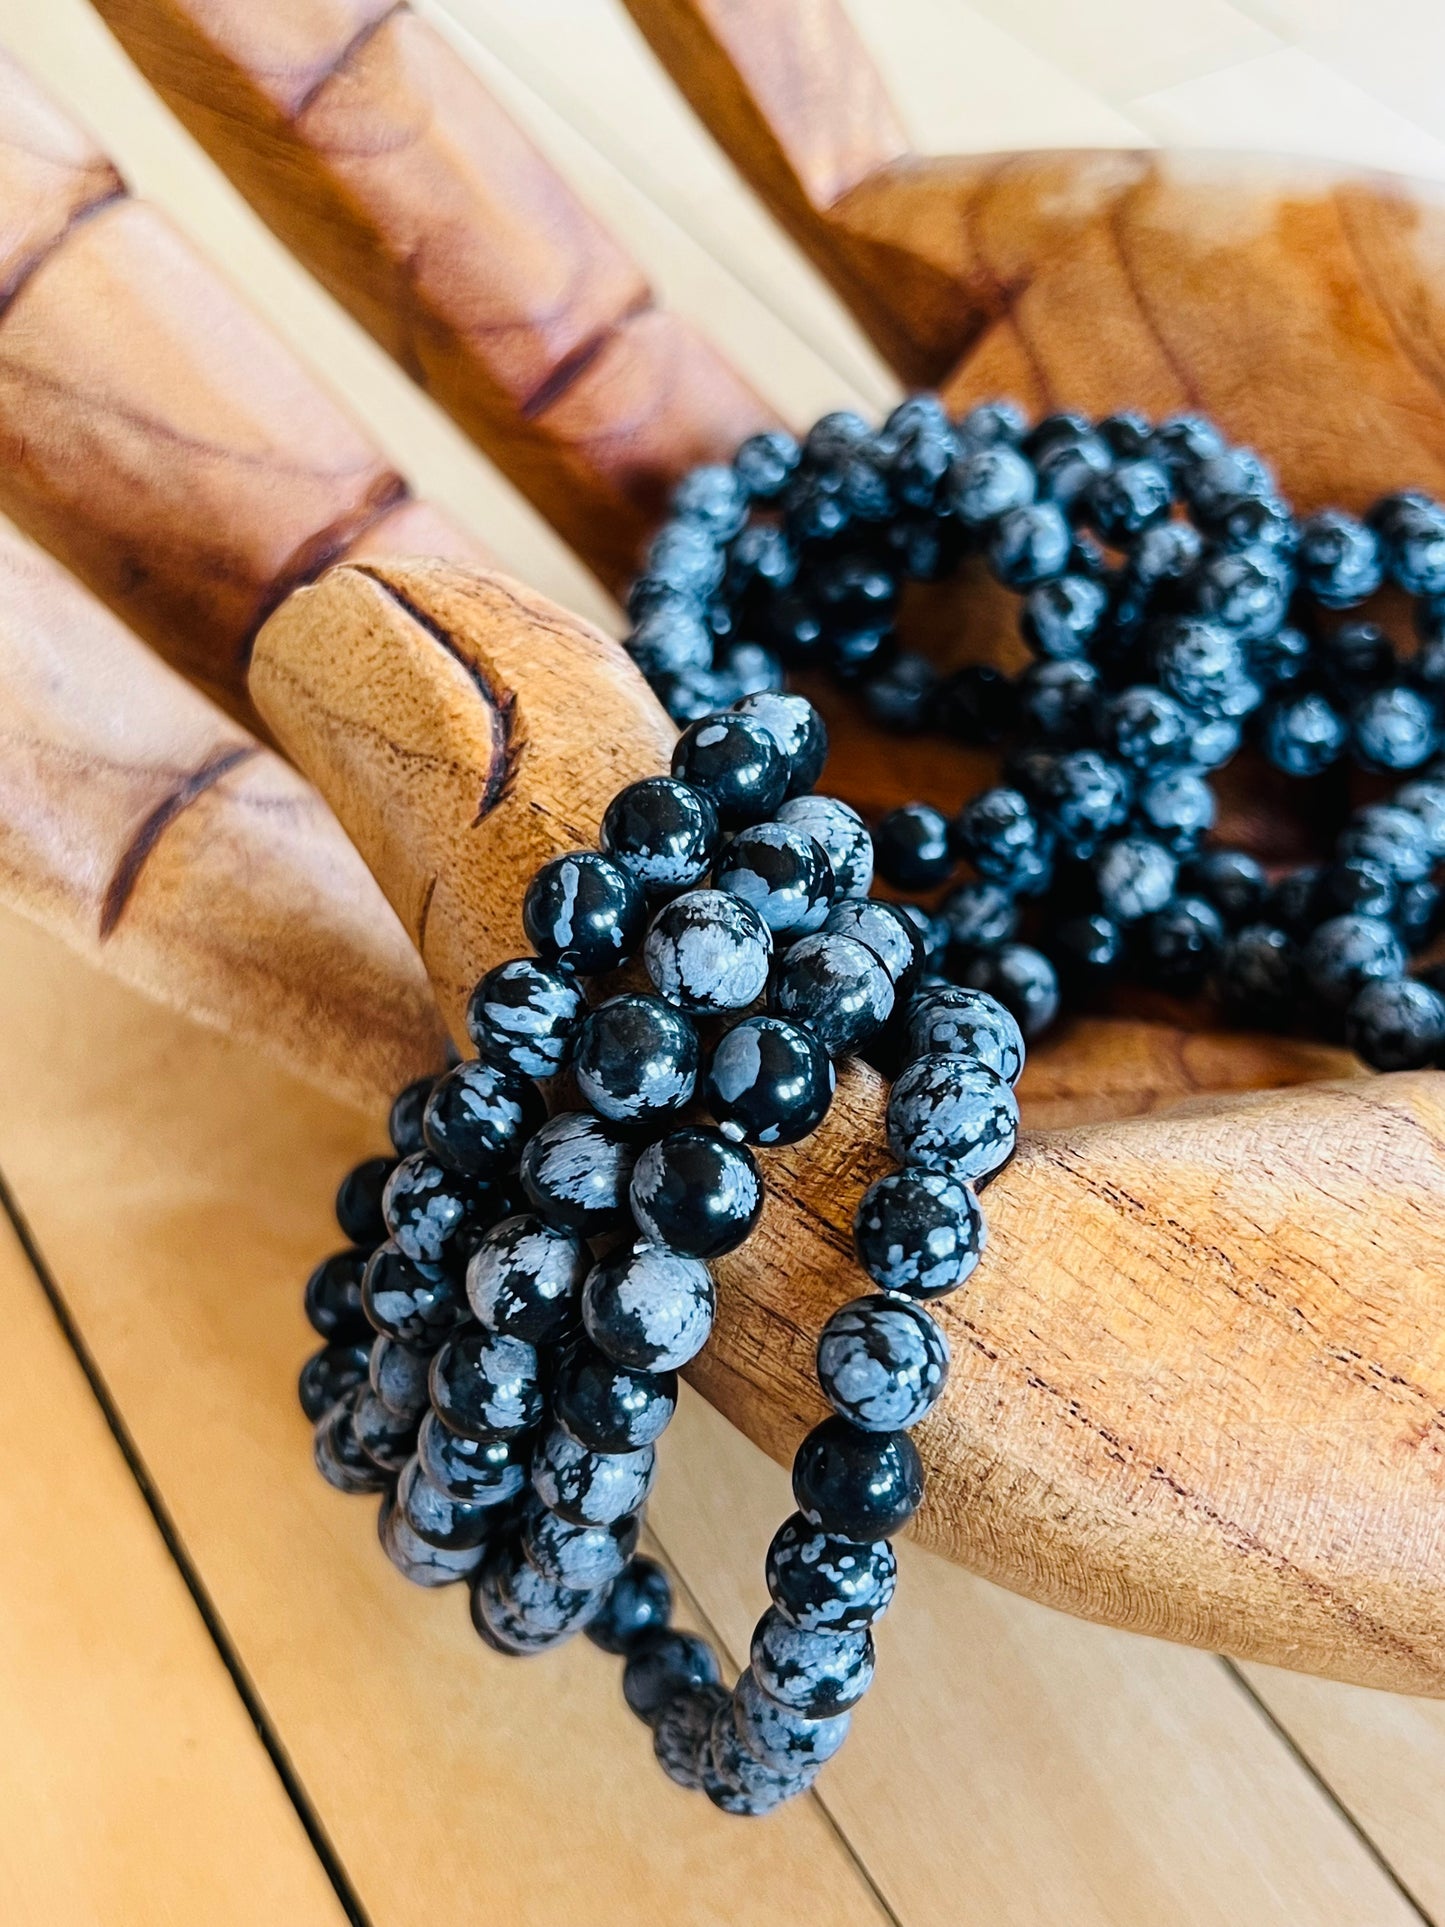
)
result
[(502, 1351)]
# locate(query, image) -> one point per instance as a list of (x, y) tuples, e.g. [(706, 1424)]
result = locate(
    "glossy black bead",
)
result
[(1019, 977), (835, 987), (358, 1202), (1345, 953), (485, 1386), (610, 1407), (1395, 728), (911, 847), (575, 1172), (649, 1308), (822, 1582), (337, 1450), (328, 1375), (815, 1674), (696, 1193), (919, 1233), (858, 1485), (524, 1279), (1058, 702), (954, 1021), (426, 1207), (1082, 796), (884, 929), (580, 1558), (770, 1081), (797, 729), (583, 911), (484, 1472), (979, 916), (882, 1363), (418, 1559), (638, 1603), (780, 872), (451, 1525), (1396, 1024), (404, 1121), (1086, 950), (591, 1488), (949, 1114), (841, 834), (736, 763), (1258, 975), (479, 1116), (708, 952), (636, 1059), (419, 1305), (661, 1663), (524, 1016), (1177, 946), (333, 1304), (398, 1376), (384, 1436), (1229, 879), (1000, 836), (664, 833)]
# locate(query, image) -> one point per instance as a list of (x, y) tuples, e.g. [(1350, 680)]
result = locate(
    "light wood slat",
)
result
[(1383, 1755), (133, 1786), (1103, 1781), (452, 1783)]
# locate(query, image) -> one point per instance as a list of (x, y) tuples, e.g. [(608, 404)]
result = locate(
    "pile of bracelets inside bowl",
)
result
[(528, 1273)]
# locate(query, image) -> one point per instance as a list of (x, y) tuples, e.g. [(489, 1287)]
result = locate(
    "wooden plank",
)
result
[(1103, 1780), (133, 1786), (451, 1782)]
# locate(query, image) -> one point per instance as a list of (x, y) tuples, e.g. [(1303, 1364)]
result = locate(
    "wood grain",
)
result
[(164, 843), (155, 436), (1107, 1782), (134, 1784), (1198, 1387), (391, 171)]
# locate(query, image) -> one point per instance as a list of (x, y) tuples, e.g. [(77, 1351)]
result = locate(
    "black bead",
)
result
[(419, 1305), (685, 557), (485, 1386), (1176, 809), (479, 1116), (911, 847), (638, 1603), (1135, 876), (610, 1407), (1087, 951), (636, 1059), (989, 483), (662, 1663), (486, 1472), (920, 1233), (1068, 457), (1302, 735), (1058, 701), (977, 704), (837, 988), (887, 932), (903, 695), (578, 1557), (1394, 838), (1412, 530), (770, 1081), (672, 639), (404, 1121), (328, 1375), (1345, 953), (1234, 883), (765, 462), (1022, 979), (333, 1298), (859, 1485), (1246, 590), (713, 496), (662, 832), (980, 916), (1002, 838), (337, 1450), (816, 1675), (1203, 665), (824, 1583), (736, 763), (696, 1193), (358, 1202), (1083, 796), (1339, 559), (575, 1172), (782, 873), (426, 1208), (398, 1376), (451, 1525), (1184, 441), (525, 1277), (708, 952), (797, 729), (1258, 977), (1146, 728), (386, 1437), (1028, 545), (954, 1021), (992, 421), (841, 833), (583, 911), (1125, 500), (882, 1363), (1355, 886), (648, 1307), (1355, 658), (524, 1016), (1396, 1024), (1177, 946)]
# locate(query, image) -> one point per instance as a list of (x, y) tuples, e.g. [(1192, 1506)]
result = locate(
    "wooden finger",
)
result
[(165, 844), (1199, 1380), (155, 436), (387, 167)]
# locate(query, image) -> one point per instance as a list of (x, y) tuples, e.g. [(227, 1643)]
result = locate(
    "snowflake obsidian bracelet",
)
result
[(503, 1339)]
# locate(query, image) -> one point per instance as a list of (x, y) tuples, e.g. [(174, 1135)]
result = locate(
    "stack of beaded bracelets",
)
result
[(504, 1392), (1171, 602)]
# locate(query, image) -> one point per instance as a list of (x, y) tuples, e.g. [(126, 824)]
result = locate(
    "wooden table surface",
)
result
[(219, 1702)]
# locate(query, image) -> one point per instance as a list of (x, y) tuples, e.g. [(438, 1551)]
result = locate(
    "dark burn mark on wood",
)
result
[(317, 554), (112, 189), (574, 365), (180, 796), (424, 913), (349, 53), (501, 704)]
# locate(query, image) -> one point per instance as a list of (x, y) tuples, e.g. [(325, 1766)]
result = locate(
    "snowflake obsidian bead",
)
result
[(479, 1116), (882, 1363), (886, 930), (636, 1059), (417, 1559), (328, 1375), (826, 1583), (591, 1488), (786, 1741), (815, 1674), (398, 1376), (662, 1663), (948, 1114), (696, 1193), (575, 1171), (638, 1603), (584, 912), (770, 1081), (858, 1485), (955, 1021), (649, 1308), (485, 1472), (337, 1450), (524, 1015), (333, 1301), (736, 1780), (418, 1304), (662, 832), (485, 1386), (708, 952), (358, 1202), (524, 1278), (782, 873), (452, 1525), (920, 1233), (837, 988), (403, 1122), (736, 763), (578, 1557), (843, 836), (680, 1734), (426, 1206), (610, 1407)]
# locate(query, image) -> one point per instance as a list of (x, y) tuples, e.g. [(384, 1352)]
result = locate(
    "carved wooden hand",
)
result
[(1199, 1382)]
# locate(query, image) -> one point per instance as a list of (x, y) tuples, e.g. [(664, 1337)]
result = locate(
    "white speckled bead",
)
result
[(708, 952), (524, 1278), (649, 1308), (679, 1738), (784, 1741), (953, 1021), (825, 1583), (737, 1781), (882, 1363), (947, 1114), (591, 1488), (415, 1558), (814, 1674), (843, 835), (582, 1557)]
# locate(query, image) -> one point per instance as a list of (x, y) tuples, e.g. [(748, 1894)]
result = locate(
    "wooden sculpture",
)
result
[(1199, 1383)]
